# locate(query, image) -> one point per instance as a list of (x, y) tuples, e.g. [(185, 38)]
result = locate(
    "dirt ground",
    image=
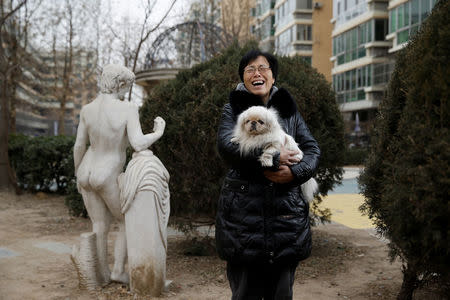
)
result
[(345, 263)]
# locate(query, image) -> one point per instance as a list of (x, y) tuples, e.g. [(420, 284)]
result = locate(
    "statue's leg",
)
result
[(111, 194), (120, 256), (101, 219)]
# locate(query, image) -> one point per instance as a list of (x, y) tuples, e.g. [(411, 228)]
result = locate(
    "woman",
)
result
[(262, 224)]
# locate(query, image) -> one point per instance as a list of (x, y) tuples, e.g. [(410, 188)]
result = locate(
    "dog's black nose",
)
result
[(253, 123)]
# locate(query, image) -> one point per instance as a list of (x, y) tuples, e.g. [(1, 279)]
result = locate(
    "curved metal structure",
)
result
[(186, 44)]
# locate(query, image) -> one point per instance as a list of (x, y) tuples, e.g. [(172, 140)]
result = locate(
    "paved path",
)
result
[(345, 200)]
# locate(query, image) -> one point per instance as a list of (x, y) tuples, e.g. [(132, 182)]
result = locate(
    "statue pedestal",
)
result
[(146, 252), (146, 205)]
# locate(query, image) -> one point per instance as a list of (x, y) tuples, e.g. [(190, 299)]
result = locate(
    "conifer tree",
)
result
[(406, 181)]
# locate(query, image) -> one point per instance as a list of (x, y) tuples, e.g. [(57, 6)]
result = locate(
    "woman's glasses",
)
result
[(261, 69)]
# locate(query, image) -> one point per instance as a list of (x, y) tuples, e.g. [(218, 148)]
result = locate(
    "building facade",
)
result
[(366, 35), (296, 27), (263, 24), (360, 57), (37, 105)]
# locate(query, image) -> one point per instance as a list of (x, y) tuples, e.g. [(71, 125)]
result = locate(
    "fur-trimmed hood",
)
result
[(281, 100)]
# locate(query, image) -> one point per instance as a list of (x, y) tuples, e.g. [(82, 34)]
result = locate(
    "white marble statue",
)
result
[(108, 125), (146, 204)]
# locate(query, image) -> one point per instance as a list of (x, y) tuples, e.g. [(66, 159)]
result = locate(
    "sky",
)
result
[(133, 9)]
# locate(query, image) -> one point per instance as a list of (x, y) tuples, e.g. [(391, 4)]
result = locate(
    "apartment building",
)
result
[(405, 17), (263, 24), (37, 106), (285, 27), (360, 57), (366, 35)]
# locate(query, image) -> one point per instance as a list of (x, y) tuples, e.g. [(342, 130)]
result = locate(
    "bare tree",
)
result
[(14, 20), (235, 18), (133, 44), (72, 45)]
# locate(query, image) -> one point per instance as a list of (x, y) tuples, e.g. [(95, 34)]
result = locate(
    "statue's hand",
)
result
[(158, 125)]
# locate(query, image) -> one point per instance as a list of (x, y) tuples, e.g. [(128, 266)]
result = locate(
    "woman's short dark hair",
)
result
[(252, 55)]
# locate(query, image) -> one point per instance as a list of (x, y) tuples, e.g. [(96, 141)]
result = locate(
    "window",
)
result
[(400, 22), (393, 20), (380, 29), (414, 12), (304, 32), (425, 9), (304, 4)]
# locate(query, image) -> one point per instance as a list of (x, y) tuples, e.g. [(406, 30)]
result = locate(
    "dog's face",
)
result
[(257, 120)]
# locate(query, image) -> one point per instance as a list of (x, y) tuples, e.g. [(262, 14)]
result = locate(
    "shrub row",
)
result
[(45, 164)]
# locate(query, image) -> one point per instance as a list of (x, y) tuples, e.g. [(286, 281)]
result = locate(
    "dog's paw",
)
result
[(234, 140), (266, 160)]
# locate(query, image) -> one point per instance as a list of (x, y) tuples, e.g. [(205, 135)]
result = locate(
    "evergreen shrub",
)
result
[(192, 106), (406, 181), (45, 164), (42, 163)]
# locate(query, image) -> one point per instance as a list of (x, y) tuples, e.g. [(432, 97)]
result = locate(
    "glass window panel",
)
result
[(400, 17), (424, 9), (363, 76), (380, 32), (334, 46), (392, 17), (369, 31), (413, 30), (403, 36), (347, 81), (348, 40), (353, 79), (414, 11), (361, 95), (361, 52), (369, 75), (406, 13), (362, 34)]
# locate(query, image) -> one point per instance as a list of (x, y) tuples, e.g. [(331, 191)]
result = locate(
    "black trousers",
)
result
[(262, 281)]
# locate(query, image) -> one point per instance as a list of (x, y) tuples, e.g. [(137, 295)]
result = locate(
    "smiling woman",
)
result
[(258, 74), (262, 222)]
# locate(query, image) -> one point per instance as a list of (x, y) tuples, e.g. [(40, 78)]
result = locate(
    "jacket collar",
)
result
[(280, 99)]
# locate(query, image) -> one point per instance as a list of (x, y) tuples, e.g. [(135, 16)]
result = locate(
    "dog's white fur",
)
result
[(258, 128)]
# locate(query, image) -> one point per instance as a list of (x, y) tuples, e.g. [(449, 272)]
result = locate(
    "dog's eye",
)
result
[(260, 122), (247, 121)]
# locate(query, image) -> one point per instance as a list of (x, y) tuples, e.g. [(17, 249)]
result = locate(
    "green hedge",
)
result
[(45, 164), (42, 163), (355, 156), (192, 105)]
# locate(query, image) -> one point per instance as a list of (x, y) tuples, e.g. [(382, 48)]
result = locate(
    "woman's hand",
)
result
[(288, 157), (282, 175)]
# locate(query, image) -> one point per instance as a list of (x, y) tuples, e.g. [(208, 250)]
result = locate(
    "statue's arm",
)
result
[(79, 148), (138, 140)]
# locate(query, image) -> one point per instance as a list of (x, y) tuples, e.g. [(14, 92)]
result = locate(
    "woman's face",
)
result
[(258, 78)]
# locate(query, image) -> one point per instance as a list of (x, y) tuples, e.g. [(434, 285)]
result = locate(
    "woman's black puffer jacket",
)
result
[(259, 221)]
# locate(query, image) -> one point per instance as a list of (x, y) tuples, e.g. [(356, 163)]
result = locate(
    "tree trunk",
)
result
[(7, 176), (409, 284), (4, 129)]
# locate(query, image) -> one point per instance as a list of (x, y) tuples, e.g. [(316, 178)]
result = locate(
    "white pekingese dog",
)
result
[(258, 127)]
